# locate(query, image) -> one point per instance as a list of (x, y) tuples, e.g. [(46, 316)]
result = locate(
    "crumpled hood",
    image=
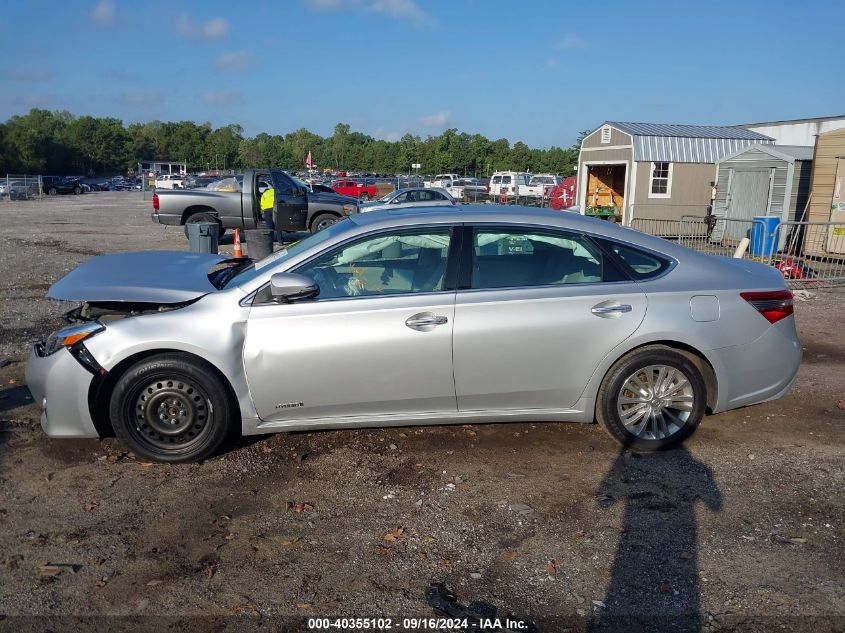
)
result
[(146, 277)]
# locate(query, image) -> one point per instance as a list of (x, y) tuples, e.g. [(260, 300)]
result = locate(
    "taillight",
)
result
[(155, 201), (488, 188), (774, 306)]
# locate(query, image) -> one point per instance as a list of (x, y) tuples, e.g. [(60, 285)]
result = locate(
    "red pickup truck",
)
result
[(355, 188)]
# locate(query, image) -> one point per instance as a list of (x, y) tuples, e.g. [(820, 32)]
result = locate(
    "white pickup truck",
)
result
[(539, 186), (443, 181), (170, 181)]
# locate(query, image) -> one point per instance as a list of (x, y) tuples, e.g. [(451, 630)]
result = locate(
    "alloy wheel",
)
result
[(655, 402)]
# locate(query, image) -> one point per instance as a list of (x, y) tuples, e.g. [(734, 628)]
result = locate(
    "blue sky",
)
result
[(539, 71)]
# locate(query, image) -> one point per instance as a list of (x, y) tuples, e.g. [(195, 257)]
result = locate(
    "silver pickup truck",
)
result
[(297, 207)]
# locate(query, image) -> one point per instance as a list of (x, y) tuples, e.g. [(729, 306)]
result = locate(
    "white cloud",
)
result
[(387, 135), (407, 10), (214, 29), (400, 9), (571, 42), (103, 13), (436, 120), (234, 61), (222, 97), (141, 98)]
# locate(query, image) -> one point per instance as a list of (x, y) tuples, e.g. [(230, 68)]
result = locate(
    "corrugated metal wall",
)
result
[(675, 149)]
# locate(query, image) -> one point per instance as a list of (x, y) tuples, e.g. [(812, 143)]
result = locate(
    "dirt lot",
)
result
[(744, 529)]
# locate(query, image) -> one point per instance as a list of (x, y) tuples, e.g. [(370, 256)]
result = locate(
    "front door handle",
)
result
[(610, 310), (425, 320)]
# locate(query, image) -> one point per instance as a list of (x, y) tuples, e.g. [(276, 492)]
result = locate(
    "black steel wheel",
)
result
[(652, 399), (172, 408)]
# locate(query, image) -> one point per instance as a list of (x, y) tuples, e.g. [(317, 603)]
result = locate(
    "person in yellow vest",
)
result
[(268, 201)]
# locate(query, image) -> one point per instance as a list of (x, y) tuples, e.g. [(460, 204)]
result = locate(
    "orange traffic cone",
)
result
[(238, 251)]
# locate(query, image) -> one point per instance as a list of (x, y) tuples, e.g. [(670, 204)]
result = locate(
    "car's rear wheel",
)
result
[(77, 190), (52, 191), (364, 197), (323, 221), (652, 399), (171, 408)]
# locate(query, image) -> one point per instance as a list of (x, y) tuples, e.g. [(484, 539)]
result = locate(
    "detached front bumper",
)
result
[(60, 384)]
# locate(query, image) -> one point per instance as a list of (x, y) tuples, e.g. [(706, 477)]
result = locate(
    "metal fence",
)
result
[(808, 254), (21, 187)]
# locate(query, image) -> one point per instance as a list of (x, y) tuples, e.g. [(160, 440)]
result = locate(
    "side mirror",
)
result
[(290, 287)]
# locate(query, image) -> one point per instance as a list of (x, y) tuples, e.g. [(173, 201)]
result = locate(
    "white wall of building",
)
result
[(798, 132)]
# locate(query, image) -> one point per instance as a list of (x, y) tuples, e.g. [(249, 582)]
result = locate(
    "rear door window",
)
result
[(508, 257)]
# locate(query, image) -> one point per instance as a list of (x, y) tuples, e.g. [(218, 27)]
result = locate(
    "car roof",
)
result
[(493, 213)]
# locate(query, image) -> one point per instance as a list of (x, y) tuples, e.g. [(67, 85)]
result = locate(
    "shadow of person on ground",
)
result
[(654, 584)]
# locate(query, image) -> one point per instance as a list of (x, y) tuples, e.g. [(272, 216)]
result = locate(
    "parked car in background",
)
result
[(413, 197), (234, 202), (467, 189), (507, 183), (170, 181), (530, 315), (539, 186), (65, 185), (443, 180), (19, 189), (355, 188)]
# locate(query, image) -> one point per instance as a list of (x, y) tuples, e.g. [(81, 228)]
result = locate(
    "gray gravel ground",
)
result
[(742, 530)]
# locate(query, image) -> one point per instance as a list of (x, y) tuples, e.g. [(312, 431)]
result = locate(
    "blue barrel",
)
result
[(764, 235)]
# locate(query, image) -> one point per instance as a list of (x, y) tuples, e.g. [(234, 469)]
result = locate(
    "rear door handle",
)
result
[(425, 319), (610, 310)]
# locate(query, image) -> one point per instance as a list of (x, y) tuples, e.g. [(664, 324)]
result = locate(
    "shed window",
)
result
[(661, 180), (605, 134)]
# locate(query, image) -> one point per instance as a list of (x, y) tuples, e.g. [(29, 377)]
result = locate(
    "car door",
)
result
[(377, 340), (540, 309)]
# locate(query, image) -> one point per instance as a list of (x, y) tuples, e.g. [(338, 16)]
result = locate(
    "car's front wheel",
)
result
[(52, 191), (323, 221), (77, 190), (652, 399), (172, 408)]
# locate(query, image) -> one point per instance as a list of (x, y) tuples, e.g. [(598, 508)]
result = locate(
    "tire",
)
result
[(52, 191), (172, 384), (364, 197), (679, 411), (77, 190), (323, 221), (200, 216)]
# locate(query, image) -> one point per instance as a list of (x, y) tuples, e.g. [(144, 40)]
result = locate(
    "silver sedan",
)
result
[(411, 197), (433, 316)]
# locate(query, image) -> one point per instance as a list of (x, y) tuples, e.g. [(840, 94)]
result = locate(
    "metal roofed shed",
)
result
[(655, 170), (763, 180)]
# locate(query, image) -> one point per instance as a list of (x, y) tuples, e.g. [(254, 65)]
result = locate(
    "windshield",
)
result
[(252, 270)]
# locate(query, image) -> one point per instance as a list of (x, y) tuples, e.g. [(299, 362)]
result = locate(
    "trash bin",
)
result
[(259, 243), (203, 237), (765, 235)]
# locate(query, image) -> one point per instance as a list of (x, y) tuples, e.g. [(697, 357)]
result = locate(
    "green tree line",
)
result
[(45, 142)]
